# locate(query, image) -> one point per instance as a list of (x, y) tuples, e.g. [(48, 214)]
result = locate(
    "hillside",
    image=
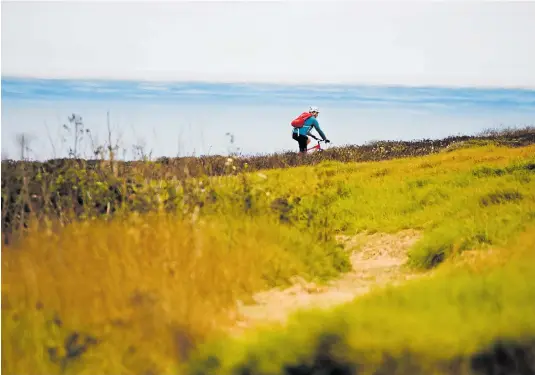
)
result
[(136, 268), (67, 188)]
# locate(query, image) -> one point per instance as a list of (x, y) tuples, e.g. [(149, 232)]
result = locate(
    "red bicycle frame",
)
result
[(317, 147)]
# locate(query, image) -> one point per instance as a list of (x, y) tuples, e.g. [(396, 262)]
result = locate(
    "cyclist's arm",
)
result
[(316, 125)]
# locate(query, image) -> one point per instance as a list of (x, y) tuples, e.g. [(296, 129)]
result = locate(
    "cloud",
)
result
[(408, 43)]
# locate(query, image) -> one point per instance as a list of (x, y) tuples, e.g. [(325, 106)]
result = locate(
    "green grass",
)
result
[(471, 198), (447, 324), (86, 188), (201, 243)]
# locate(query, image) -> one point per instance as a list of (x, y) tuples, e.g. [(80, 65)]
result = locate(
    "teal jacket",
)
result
[(310, 123)]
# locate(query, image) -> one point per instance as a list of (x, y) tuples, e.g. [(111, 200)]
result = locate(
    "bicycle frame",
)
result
[(317, 147)]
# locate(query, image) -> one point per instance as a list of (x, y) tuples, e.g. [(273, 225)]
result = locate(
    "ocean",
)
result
[(191, 118)]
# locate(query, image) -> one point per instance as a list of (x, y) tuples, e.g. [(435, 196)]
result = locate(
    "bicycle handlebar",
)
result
[(316, 138)]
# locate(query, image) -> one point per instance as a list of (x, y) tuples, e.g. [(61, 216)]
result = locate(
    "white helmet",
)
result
[(313, 109)]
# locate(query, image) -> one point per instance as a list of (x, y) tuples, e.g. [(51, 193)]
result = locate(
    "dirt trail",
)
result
[(379, 261)]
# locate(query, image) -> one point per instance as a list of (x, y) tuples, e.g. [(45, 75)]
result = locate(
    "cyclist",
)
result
[(301, 134)]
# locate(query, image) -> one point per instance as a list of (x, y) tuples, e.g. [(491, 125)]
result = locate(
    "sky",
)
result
[(449, 43)]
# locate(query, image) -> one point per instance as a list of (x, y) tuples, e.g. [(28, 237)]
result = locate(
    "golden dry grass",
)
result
[(146, 287)]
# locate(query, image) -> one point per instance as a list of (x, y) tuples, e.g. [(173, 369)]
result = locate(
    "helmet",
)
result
[(313, 109)]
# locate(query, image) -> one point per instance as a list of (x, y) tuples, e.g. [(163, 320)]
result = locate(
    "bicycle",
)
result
[(317, 147)]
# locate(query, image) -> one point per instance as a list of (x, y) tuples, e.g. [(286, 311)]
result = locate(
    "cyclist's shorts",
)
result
[(302, 140)]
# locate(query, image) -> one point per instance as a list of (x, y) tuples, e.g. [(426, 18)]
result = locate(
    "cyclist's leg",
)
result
[(303, 142), (295, 137)]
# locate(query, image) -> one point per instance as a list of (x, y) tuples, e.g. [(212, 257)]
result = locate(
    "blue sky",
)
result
[(177, 76)]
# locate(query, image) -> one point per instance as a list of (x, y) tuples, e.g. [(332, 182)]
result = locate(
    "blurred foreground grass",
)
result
[(474, 316), (144, 288), (135, 294)]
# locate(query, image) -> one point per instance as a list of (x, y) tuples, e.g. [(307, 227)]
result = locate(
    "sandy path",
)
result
[(377, 260)]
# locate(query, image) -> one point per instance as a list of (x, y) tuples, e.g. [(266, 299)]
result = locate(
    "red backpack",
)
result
[(299, 121)]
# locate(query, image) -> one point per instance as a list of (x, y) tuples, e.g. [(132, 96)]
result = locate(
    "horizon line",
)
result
[(266, 82)]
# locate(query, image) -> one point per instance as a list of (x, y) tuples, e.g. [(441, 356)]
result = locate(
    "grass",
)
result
[(144, 288), (88, 188), (470, 317), (136, 292), (445, 195)]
